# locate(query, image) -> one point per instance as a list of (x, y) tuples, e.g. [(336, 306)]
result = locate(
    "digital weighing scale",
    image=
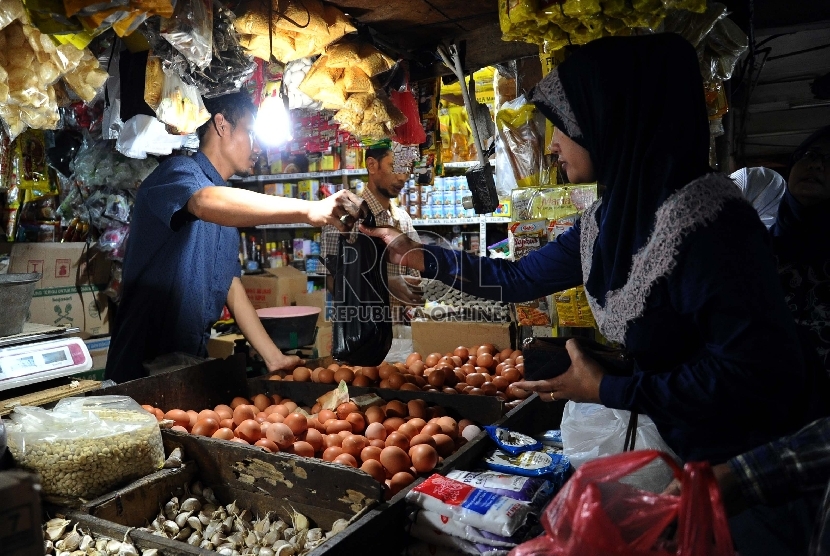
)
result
[(41, 353)]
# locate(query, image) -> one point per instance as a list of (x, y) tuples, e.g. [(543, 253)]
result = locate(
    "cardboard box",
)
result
[(20, 514), (315, 299), (221, 347), (70, 291), (323, 342), (277, 287), (430, 336)]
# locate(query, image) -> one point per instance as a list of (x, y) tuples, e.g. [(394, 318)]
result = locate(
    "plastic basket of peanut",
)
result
[(85, 447)]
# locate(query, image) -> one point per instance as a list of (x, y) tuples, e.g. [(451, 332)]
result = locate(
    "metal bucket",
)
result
[(16, 291)]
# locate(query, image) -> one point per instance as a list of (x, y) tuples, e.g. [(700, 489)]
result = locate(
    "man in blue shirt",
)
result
[(181, 266)]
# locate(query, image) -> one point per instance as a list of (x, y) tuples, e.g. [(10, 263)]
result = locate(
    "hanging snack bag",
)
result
[(190, 31), (522, 141), (181, 105)]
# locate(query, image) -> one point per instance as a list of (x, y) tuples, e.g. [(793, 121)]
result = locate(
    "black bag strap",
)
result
[(631, 433)]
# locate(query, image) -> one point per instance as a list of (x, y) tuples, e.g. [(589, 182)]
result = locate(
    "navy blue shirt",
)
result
[(177, 270), (718, 365)]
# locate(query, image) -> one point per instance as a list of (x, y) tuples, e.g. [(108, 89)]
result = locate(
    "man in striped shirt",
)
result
[(387, 177)]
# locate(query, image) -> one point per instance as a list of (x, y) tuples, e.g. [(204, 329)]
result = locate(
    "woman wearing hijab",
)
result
[(801, 241), (676, 265)]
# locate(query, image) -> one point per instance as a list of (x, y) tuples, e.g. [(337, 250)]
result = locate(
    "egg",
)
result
[(422, 439), (212, 414), (326, 376), (436, 378), (463, 424), (158, 413), (334, 367), (345, 375), (470, 432), (412, 358), (178, 428), (476, 380), (224, 411), (409, 430), (334, 426), (448, 426), (500, 383), (417, 368), (375, 414), (398, 439), (516, 393), (376, 431), (489, 349), (239, 400), (486, 360), (195, 417), (395, 408), (330, 440), (345, 408), (361, 381), (249, 431), (511, 375), (205, 427), (346, 459), (370, 452), (315, 439), (424, 458), (444, 445), (385, 370), (223, 434), (315, 374), (400, 481), (325, 415), (267, 444), (297, 422), (353, 444), (371, 373), (243, 413), (227, 423), (281, 435), (394, 459), (417, 422), (301, 374), (148, 408), (261, 401), (302, 448), (374, 469), (275, 418), (332, 452), (432, 359), (239, 441), (431, 429), (392, 424), (489, 389), (180, 418), (357, 422), (378, 443)]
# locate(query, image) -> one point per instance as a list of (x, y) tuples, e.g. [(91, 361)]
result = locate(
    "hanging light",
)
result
[(273, 123)]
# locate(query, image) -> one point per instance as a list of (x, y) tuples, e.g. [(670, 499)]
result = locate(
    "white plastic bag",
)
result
[(181, 105), (590, 431)]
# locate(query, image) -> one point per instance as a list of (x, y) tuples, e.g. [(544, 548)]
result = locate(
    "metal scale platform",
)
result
[(41, 353)]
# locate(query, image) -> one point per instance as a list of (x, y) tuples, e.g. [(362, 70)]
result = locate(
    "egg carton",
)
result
[(444, 302)]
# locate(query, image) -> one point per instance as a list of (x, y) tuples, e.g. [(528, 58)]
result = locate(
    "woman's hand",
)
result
[(579, 383), (400, 248)]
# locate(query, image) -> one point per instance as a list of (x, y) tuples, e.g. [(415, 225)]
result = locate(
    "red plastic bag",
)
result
[(596, 515), (411, 132)]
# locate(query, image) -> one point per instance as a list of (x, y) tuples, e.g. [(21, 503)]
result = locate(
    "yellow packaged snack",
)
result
[(29, 162)]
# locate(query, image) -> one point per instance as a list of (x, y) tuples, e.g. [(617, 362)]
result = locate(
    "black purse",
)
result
[(546, 358)]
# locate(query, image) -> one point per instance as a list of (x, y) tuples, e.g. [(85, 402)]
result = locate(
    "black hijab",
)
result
[(637, 105)]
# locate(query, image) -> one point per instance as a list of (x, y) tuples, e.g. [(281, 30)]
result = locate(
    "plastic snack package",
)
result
[(190, 31), (84, 447), (522, 142), (86, 79), (293, 75), (181, 105), (29, 161), (11, 10), (230, 65), (483, 510)]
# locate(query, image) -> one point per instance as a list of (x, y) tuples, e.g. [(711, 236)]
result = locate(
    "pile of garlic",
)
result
[(62, 541), (200, 520)]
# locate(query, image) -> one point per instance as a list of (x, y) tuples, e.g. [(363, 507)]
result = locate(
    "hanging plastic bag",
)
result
[(521, 141), (190, 31), (412, 132), (84, 447), (362, 332), (181, 105), (596, 514), (590, 431)]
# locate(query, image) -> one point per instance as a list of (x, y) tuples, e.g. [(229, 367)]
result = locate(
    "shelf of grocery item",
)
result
[(459, 221), (467, 164), (302, 176), (314, 275)]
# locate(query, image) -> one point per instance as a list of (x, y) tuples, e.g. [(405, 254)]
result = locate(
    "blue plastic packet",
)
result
[(547, 462), (513, 442), (551, 438)]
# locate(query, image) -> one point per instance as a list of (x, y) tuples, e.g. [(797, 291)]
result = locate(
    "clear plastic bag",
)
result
[(590, 431), (521, 141), (190, 31), (10, 10), (230, 66), (181, 105), (85, 447)]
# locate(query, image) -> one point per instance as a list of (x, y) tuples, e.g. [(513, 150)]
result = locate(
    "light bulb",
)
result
[(273, 123)]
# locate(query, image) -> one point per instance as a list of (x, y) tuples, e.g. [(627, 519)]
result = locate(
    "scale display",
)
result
[(39, 361)]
